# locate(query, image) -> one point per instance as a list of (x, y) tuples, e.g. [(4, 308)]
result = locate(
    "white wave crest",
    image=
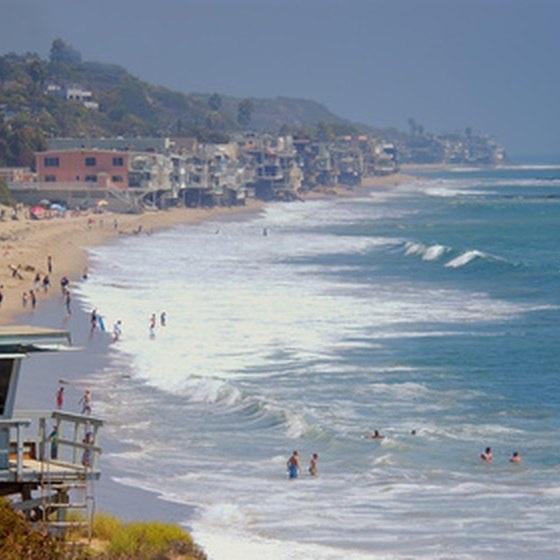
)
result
[(414, 248), (431, 253), (465, 258), (434, 252)]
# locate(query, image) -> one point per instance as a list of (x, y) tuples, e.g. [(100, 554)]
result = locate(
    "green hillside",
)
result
[(128, 106)]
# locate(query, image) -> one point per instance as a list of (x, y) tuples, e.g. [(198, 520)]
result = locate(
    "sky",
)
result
[(491, 65)]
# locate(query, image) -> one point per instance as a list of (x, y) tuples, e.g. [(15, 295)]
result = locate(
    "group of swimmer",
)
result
[(487, 456), (294, 468)]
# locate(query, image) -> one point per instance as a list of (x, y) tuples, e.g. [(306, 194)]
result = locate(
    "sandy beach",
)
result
[(26, 244)]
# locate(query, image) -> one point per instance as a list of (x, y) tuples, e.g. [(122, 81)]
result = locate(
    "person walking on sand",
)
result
[(60, 398), (33, 299), (486, 455), (49, 264), (313, 464), (293, 465), (85, 401)]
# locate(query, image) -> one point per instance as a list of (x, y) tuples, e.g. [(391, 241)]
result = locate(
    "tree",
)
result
[(62, 52), (215, 102), (245, 112), (6, 196)]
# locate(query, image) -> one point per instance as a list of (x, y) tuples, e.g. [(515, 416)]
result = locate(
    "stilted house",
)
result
[(48, 458)]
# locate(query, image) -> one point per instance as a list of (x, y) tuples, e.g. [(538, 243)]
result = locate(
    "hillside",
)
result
[(36, 102), (33, 107)]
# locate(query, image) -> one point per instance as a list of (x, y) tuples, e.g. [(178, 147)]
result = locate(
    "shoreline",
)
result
[(26, 244), (67, 240)]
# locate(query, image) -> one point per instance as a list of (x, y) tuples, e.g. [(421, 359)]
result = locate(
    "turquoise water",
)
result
[(432, 306)]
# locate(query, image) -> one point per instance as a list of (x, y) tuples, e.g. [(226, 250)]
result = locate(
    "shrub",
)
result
[(19, 540), (147, 540)]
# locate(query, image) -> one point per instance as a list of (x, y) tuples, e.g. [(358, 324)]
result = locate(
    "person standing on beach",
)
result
[(46, 283), (313, 464), (117, 330), (93, 319), (54, 442), (33, 299), (64, 283), (24, 299), (60, 398), (67, 300), (49, 264), (293, 465), (85, 401)]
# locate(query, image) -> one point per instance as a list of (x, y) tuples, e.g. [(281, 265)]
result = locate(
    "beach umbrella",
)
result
[(59, 207), (38, 210), (102, 202)]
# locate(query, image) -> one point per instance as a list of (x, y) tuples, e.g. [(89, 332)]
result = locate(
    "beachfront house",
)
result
[(48, 458), (127, 181)]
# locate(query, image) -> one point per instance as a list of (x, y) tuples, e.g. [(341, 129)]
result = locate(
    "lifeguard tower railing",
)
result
[(50, 445)]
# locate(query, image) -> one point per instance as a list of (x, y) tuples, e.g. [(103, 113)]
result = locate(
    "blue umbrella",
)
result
[(58, 207)]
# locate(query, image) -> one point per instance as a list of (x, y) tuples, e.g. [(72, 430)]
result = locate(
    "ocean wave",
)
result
[(211, 390), (428, 253), (466, 258)]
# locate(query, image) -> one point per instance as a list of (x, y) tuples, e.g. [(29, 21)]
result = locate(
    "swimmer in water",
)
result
[(313, 464), (376, 435), (486, 455), (293, 465), (515, 458)]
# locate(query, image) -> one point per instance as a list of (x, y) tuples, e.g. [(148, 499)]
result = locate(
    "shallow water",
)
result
[(432, 306)]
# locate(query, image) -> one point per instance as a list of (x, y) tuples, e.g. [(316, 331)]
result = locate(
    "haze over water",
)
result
[(432, 306)]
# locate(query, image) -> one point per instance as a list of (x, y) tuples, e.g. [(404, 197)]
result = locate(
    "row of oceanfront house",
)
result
[(131, 174), (135, 173)]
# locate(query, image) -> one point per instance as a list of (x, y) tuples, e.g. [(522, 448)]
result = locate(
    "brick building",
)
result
[(102, 168)]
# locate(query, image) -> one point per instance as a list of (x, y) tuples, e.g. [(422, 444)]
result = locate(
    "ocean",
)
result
[(431, 306)]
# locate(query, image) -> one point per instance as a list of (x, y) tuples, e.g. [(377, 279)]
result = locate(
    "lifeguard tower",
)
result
[(47, 458)]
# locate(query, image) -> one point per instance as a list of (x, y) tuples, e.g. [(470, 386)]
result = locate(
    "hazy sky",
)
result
[(489, 64)]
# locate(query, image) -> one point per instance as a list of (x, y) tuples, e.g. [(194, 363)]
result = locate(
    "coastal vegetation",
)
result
[(112, 539)]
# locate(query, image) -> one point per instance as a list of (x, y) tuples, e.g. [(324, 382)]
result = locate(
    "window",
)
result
[(52, 162), (50, 178), (118, 162), (117, 179), (91, 178), (91, 162), (6, 367)]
